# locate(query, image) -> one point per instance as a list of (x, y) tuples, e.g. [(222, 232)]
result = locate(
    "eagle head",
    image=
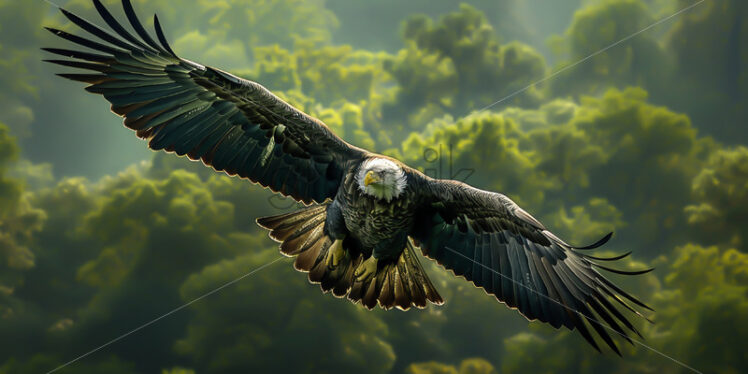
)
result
[(381, 178)]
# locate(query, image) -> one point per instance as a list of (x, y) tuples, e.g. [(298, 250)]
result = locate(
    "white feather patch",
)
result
[(393, 183)]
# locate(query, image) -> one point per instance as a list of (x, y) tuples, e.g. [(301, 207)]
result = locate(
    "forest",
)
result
[(648, 139)]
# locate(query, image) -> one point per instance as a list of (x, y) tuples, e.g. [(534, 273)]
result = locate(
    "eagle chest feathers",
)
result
[(376, 205), (371, 221)]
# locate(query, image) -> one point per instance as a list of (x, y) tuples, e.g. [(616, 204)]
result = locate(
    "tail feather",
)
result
[(307, 259), (287, 233), (343, 284), (402, 283), (283, 225), (303, 241)]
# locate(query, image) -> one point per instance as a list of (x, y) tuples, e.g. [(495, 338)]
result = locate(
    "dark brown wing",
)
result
[(231, 124), (485, 237)]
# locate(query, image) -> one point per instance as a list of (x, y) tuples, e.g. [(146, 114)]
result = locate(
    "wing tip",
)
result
[(160, 35), (623, 272), (614, 258), (66, 13), (598, 243), (138, 26)]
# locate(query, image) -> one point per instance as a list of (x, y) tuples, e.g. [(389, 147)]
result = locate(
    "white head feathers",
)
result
[(381, 178)]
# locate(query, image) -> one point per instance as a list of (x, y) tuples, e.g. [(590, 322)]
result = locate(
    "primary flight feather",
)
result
[(366, 213)]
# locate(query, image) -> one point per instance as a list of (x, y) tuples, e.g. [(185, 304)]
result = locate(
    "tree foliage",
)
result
[(620, 143), (458, 64)]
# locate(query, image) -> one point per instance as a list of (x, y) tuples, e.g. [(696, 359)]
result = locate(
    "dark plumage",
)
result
[(366, 214)]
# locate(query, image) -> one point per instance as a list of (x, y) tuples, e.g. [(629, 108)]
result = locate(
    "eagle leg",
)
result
[(366, 269), (335, 254)]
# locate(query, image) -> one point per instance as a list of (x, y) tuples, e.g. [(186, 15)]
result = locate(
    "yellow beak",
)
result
[(371, 177)]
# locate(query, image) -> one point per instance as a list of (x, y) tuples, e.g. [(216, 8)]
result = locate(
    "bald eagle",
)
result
[(365, 214)]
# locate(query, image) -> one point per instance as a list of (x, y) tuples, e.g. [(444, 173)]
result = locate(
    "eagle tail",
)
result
[(301, 234), (402, 283)]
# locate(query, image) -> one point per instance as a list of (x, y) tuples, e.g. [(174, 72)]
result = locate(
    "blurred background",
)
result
[(99, 235)]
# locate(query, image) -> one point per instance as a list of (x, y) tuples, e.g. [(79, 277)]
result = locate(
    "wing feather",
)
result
[(492, 242), (231, 124)]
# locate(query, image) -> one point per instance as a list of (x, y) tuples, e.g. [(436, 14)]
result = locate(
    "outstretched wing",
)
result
[(488, 239), (231, 124)]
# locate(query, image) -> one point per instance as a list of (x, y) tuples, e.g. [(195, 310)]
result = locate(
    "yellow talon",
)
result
[(335, 254), (367, 269)]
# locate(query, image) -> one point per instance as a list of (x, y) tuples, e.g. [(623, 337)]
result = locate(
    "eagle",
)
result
[(364, 215)]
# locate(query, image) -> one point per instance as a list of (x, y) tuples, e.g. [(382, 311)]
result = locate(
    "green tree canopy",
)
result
[(115, 238)]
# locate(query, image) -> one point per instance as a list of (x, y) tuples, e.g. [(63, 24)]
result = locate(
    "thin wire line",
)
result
[(482, 109), (165, 315), (53, 4), (515, 93), (574, 310)]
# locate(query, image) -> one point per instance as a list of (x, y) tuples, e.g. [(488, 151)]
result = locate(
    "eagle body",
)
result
[(375, 226), (365, 215)]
